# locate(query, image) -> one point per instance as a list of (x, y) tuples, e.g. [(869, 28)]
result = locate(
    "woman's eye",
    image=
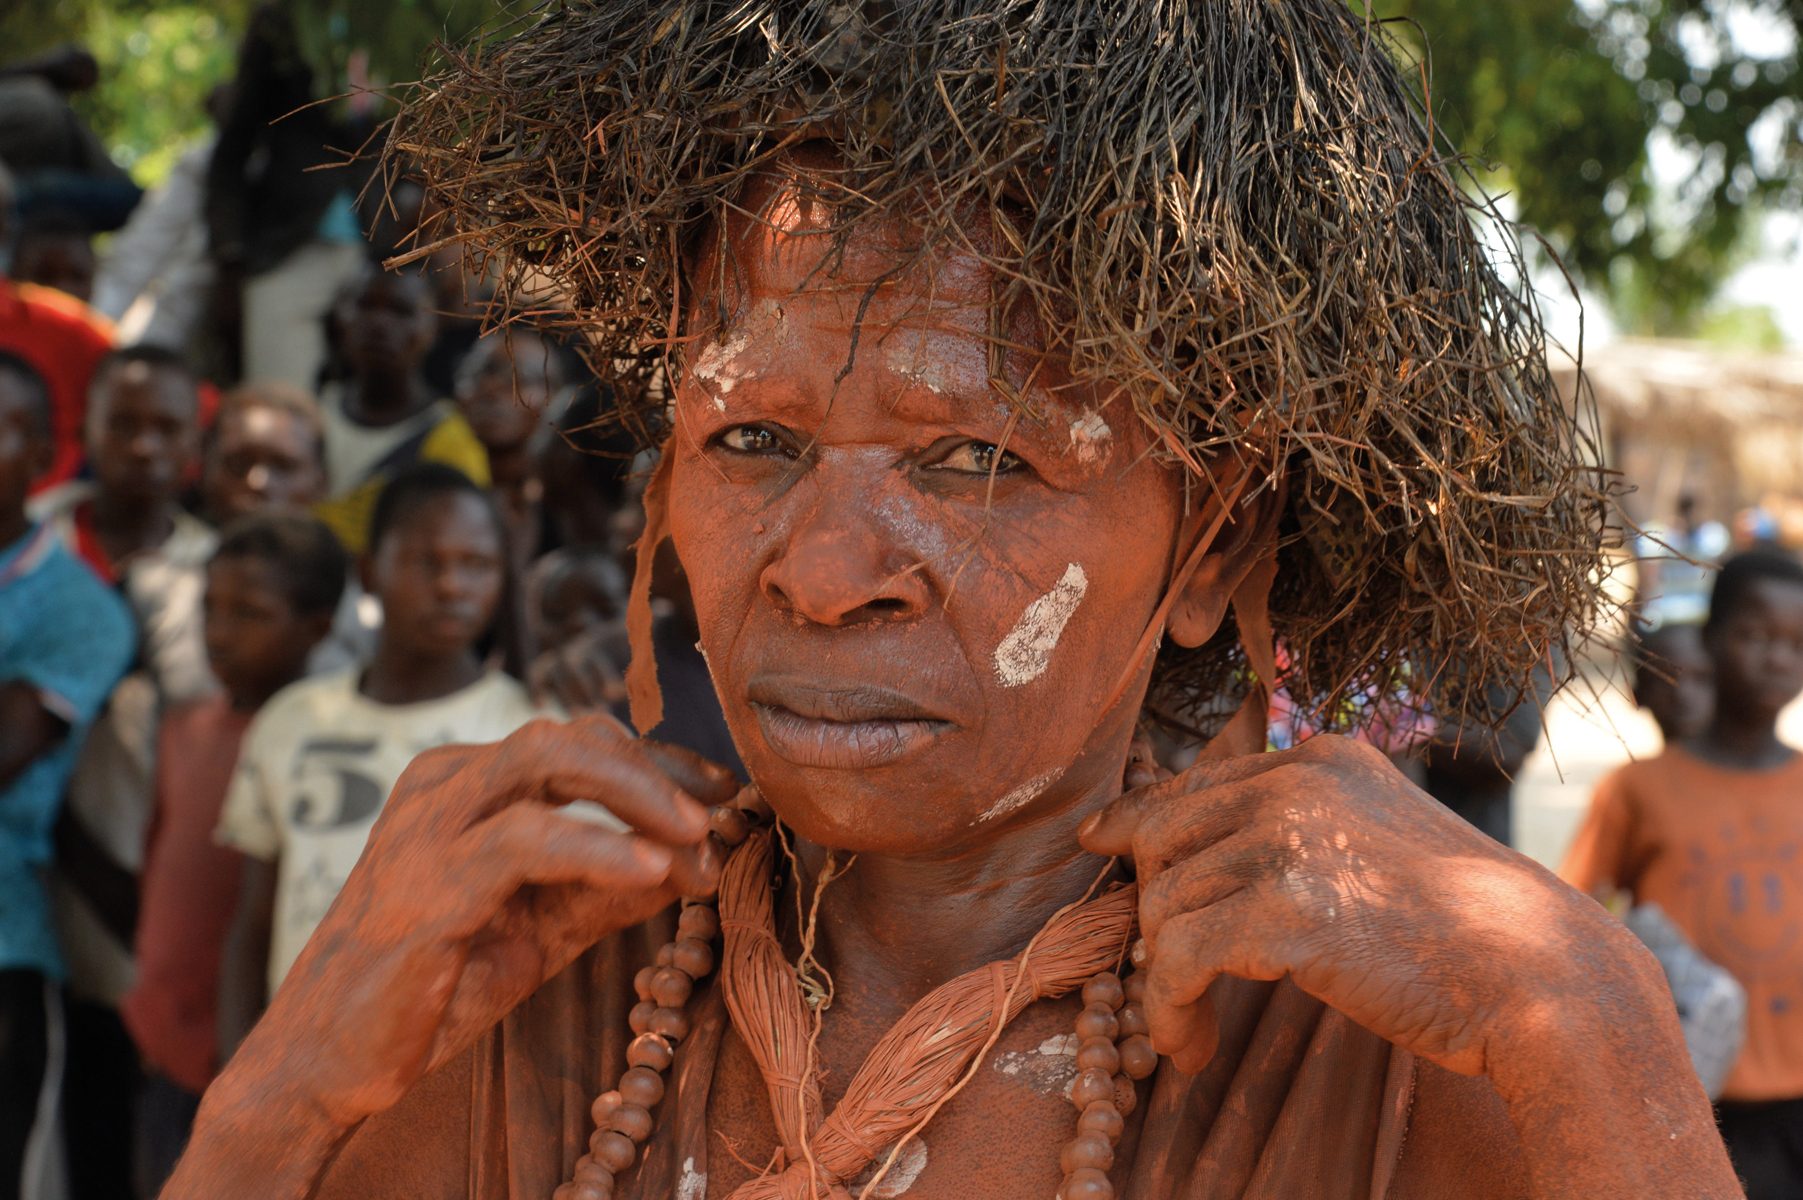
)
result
[(751, 439), (979, 458)]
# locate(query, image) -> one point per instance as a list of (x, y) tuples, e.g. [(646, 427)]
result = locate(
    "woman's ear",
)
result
[(1244, 542)]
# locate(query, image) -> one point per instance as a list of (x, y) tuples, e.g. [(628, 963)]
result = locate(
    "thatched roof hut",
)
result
[(1682, 418)]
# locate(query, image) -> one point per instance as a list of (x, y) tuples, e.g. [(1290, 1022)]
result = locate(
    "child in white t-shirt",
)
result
[(323, 754)]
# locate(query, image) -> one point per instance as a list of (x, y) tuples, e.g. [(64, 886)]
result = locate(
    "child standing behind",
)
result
[(1712, 831), (65, 639), (320, 759), (272, 587), (1674, 680)]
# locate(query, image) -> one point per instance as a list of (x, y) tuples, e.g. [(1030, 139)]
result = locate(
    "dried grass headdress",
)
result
[(1234, 209)]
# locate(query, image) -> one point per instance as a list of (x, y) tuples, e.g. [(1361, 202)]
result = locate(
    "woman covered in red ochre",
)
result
[(1024, 371)]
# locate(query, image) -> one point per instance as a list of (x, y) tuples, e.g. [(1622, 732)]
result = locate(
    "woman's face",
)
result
[(911, 652)]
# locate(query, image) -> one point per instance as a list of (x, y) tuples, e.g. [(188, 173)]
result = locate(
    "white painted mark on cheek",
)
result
[(1025, 794), (1088, 433), (1026, 652)]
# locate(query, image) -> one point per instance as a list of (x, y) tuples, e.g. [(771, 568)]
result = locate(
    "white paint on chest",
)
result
[(908, 1165), (1050, 1068), (1026, 652), (1089, 435), (693, 1184), (1025, 794)]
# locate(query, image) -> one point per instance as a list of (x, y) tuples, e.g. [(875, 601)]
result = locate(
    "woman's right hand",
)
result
[(473, 891)]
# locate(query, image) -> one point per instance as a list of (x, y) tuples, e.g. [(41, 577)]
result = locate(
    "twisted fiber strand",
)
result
[(916, 1061)]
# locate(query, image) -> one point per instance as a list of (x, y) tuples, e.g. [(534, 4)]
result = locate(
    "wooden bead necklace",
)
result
[(1113, 1053)]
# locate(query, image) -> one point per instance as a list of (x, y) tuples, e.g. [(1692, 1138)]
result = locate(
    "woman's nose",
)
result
[(840, 567)]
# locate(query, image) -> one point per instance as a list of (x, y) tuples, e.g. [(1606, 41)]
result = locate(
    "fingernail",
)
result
[(1141, 953), (1089, 824)]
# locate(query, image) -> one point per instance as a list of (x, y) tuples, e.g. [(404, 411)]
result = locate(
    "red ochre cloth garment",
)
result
[(1721, 851), (189, 891), (64, 339)]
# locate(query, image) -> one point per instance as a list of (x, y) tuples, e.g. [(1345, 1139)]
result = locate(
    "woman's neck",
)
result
[(902, 925), (398, 676)]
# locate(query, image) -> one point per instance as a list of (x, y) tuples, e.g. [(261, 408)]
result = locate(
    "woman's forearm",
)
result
[(1604, 1101), (257, 1139)]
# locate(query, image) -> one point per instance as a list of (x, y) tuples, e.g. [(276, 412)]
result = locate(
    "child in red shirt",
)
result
[(1712, 832), (272, 587)]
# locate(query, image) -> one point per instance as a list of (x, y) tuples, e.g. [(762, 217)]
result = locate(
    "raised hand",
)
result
[(474, 889)]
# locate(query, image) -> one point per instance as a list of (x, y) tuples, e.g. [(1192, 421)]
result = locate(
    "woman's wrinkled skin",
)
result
[(855, 566)]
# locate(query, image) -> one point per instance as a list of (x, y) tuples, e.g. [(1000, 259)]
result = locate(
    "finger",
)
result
[(1111, 831), (1198, 882), (1189, 954), (708, 782), (528, 843), (591, 759)]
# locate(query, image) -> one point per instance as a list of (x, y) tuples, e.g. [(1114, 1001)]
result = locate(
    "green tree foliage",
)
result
[(1568, 102)]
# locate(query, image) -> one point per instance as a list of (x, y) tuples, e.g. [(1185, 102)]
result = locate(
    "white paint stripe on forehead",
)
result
[(1026, 652)]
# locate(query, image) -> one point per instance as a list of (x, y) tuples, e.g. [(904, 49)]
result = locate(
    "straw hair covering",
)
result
[(1233, 210)]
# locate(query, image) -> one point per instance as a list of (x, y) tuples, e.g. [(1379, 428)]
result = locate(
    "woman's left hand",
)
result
[(1325, 864)]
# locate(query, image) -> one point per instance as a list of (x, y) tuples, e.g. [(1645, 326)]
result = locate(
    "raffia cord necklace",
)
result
[(916, 1067)]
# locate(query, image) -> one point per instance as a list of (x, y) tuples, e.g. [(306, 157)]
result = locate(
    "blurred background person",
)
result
[(67, 640), (384, 417), (63, 340), (272, 587), (1674, 681), (55, 250)]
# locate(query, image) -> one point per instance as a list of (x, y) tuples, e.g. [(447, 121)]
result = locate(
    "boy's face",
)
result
[(25, 453), (262, 458), (385, 326), (1758, 649), (142, 432), (438, 574), (1677, 683), (256, 641)]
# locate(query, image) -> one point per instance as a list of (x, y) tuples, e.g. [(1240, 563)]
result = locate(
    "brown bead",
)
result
[(640, 1017), (632, 1121), (1104, 1118), (592, 1180), (666, 954), (729, 825), (1087, 1150), (649, 1050), (1087, 1184), (1125, 1098), (699, 921), (694, 958), (642, 1086), (753, 805), (614, 1150), (1090, 1087), (641, 983), (1134, 987), (604, 1106), (1132, 1018), (1104, 989), (1138, 1059), (1097, 1021), (1098, 1052), (670, 1023), (671, 988)]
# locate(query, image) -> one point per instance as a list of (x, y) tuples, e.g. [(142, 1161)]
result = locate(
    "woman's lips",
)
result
[(838, 728)]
